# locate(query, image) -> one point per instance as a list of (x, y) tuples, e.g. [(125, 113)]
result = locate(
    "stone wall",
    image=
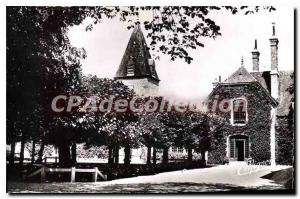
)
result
[(143, 86)]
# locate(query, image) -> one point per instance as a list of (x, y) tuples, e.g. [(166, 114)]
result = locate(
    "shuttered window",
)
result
[(232, 146), (247, 148), (130, 70)]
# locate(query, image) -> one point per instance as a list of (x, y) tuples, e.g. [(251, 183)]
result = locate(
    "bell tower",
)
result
[(137, 68)]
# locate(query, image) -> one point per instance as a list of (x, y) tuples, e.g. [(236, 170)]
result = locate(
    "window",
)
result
[(180, 150), (239, 111), (177, 149), (174, 149), (130, 70)]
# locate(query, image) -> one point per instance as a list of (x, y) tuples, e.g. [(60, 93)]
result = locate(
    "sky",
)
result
[(106, 44)]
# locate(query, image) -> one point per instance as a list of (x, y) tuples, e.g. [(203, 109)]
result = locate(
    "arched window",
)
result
[(239, 111)]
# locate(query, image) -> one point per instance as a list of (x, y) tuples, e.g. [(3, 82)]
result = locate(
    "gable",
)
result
[(240, 76), (222, 85)]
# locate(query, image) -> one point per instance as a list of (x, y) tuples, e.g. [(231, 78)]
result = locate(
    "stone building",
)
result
[(259, 117)]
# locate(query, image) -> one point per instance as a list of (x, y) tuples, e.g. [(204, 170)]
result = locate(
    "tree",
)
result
[(150, 127), (208, 131), (173, 30), (41, 63), (111, 128), (129, 138)]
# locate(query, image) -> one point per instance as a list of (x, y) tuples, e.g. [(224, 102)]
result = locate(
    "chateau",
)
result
[(259, 130)]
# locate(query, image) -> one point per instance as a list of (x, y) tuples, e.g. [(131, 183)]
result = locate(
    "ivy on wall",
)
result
[(259, 121), (284, 141)]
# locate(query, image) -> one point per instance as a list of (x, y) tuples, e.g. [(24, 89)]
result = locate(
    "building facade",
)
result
[(257, 106)]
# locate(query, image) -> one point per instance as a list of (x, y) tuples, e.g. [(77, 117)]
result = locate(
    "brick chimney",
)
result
[(255, 57), (274, 64)]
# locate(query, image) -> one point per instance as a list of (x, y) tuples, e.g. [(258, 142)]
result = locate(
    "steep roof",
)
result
[(240, 76), (263, 78), (137, 59)]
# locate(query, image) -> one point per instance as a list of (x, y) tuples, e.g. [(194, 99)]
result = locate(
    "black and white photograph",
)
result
[(150, 99)]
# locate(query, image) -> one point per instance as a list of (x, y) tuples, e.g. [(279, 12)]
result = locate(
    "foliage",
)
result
[(173, 30), (48, 151), (109, 128), (285, 132), (40, 64), (259, 123), (189, 129), (285, 140), (91, 152)]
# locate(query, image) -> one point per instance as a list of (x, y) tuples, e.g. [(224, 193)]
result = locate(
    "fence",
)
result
[(43, 170)]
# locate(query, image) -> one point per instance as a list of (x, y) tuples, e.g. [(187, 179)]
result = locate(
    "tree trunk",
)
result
[(110, 155), (22, 150), (190, 155), (148, 155), (127, 158), (41, 151), (12, 154), (154, 156), (165, 155), (116, 154), (203, 158), (73, 151), (64, 154), (33, 151)]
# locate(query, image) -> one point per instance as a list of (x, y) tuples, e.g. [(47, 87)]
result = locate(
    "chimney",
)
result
[(274, 64), (274, 50), (255, 57)]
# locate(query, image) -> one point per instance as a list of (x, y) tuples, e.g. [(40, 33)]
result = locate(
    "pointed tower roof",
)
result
[(137, 61), (240, 76)]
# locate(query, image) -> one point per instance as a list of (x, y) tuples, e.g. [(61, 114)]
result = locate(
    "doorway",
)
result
[(240, 147)]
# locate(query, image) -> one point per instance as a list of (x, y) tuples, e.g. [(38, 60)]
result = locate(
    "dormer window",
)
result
[(239, 115), (130, 70)]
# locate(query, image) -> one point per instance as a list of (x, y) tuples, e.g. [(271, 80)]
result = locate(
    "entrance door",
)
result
[(240, 150)]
